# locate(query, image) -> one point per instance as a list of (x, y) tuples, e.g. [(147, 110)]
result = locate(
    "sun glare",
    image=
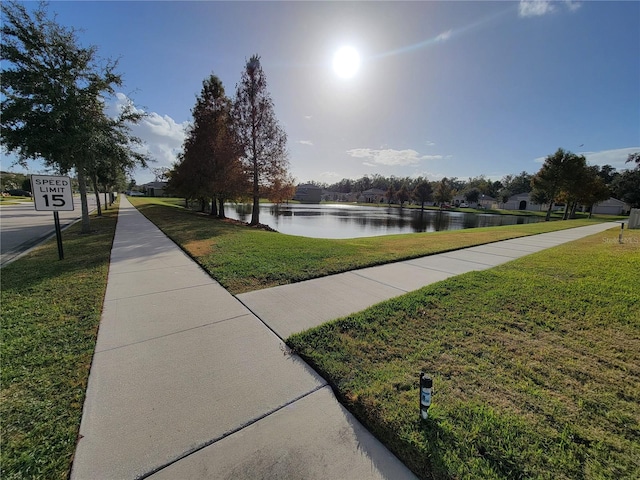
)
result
[(346, 62)]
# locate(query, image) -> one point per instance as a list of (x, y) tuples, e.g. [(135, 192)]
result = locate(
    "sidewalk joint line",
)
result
[(172, 333), (260, 319), (489, 253), (355, 272), (151, 269), (208, 443), (470, 261), (160, 291), (438, 269)]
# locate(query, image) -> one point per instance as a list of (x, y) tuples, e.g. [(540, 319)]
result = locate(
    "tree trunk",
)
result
[(221, 213), (214, 208), (548, 216), (82, 186), (574, 206), (203, 204), (106, 200), (94, 182), (255, 210)]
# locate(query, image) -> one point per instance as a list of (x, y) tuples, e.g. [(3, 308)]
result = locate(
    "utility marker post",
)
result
[(53, 194)]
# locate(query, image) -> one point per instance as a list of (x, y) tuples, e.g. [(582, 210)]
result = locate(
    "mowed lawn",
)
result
[(50, 315), (536, 367), (244, 259)]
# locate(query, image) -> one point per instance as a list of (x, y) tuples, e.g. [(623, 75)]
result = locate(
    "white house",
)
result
[(522, 201), (613, 206), (373, 195), (155, 189)]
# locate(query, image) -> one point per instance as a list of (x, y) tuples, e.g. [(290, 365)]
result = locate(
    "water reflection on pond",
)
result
[(350, 221)]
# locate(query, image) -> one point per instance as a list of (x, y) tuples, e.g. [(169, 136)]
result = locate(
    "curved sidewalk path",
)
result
[(190, 382)]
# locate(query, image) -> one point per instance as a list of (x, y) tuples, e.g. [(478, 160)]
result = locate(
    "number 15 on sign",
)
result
[(51, 193)]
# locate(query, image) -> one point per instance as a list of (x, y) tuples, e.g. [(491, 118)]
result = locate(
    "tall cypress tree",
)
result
[(261, 137)]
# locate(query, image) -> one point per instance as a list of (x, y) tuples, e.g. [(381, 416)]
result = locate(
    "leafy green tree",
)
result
[(592, 189), (608, 174), (549, 180), (390, 194), (574, 176), (626, 187), (516, 184), (634, 158), (210, 166), (423, 192), (472, 195), (262, 139), (443, 193), (504, 194), (403, 194), (53, 95)]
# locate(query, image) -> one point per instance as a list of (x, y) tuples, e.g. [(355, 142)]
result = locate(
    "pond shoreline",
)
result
[(348, 220)]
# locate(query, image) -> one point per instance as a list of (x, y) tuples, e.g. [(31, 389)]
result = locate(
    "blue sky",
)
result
[(444, 88)]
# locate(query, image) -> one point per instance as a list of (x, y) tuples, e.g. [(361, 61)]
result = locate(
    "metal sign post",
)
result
[(54, 194)]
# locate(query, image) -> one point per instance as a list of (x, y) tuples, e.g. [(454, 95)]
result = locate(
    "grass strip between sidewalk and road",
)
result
[(51, 310), (536, 367), (243, 259)]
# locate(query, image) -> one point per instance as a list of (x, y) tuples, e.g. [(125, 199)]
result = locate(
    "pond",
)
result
[(351, 221)]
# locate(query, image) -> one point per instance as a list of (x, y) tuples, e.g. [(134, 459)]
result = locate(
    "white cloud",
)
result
[(616, 158), (572, 5), (162, 136), (444, 36), (390, 157), (535, 8), (305, 142), (307, 117)]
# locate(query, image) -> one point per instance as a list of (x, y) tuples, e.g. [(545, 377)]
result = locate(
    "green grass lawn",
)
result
[(536, 367), (50, 314), (244, 259), (51, 311)]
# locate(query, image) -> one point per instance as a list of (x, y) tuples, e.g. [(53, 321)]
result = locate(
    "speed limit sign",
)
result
[(52, 193)]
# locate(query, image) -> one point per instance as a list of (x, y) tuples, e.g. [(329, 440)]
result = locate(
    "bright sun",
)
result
[(346, 62)]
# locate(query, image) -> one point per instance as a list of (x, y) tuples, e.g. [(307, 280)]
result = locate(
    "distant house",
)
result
[(458, 199), (155, 189), (613, 206), (487, 201), (522, 201), (338, 197), (308, 193), (373, 195)]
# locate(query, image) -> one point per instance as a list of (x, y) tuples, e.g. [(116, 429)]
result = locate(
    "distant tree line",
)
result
[(54, 94), (565, 178), (234, 149)]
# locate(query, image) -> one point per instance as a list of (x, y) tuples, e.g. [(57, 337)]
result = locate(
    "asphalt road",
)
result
[(22, 227)]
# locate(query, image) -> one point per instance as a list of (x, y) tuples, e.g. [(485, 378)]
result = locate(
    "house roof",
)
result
[(520, 196), (612, 201), (155, 185)]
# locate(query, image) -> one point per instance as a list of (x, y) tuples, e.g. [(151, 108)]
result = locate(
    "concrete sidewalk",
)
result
[(188, 381), (289, 309)]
